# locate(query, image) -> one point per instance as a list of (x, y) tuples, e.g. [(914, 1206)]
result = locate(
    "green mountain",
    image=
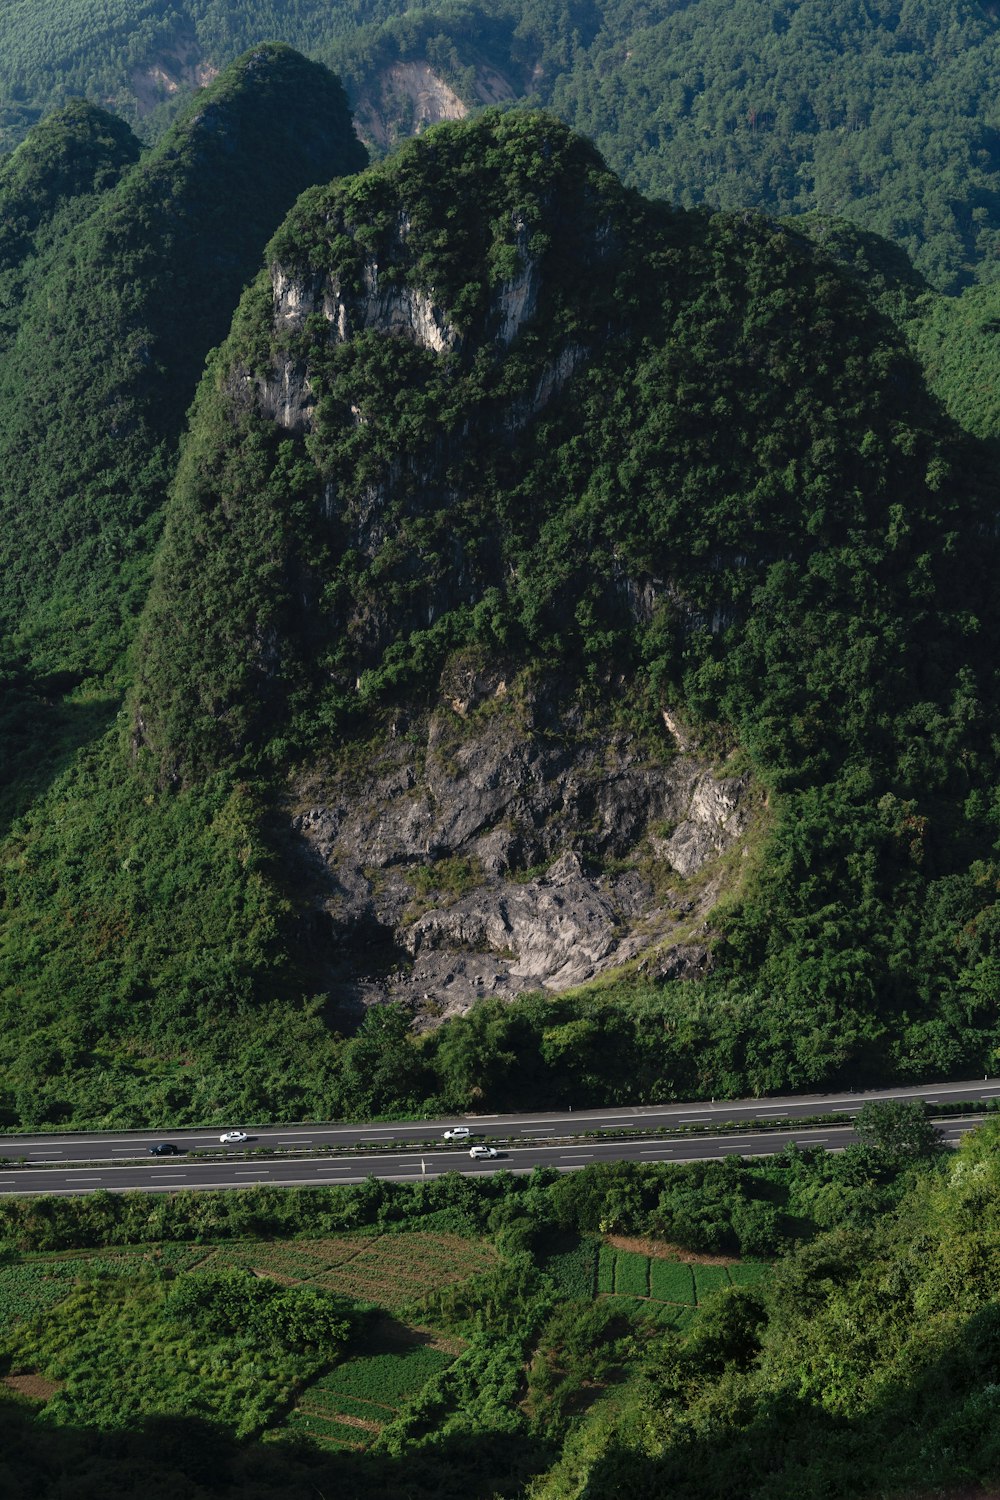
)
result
[(884, 112), (114, 322), (560, 596), (117, 275)]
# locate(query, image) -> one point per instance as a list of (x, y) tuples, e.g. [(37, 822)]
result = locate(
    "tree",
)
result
[(897, 1132)]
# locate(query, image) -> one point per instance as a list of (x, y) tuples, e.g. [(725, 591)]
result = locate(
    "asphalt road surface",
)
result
[(117, 1161)]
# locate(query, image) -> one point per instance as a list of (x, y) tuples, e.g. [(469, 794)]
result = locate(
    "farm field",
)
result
[(388, 1270), (116, 1308), (606, 1270), (349, 1406), (40, 1281), (335, 1339), (391, 1270), (629, 1273)]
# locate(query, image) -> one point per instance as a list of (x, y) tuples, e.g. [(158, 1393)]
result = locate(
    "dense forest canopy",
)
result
[(116, 277), (885, 112)]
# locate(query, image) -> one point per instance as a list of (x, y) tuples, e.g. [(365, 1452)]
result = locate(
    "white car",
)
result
[(458, 1133), (483, 1153), (234, 1137)]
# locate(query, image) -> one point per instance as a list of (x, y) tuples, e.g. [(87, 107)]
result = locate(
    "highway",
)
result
[(117, 1161)]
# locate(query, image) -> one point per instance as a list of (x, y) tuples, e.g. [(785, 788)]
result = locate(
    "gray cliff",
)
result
[(501, 844)]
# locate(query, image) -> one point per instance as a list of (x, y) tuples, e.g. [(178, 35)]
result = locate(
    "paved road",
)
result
[(92, 1146), (408, 1165)]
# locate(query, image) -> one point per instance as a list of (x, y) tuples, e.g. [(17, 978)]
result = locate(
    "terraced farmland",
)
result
[(630, 1274), (397, 1269), (390, 1270), (349, 1406)]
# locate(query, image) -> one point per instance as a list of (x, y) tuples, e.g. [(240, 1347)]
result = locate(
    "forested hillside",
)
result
[(114, 318), (885, 112), (500, 454), (476, 638), (116, 277)]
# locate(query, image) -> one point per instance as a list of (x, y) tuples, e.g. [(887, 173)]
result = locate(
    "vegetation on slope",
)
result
[(699, 410), (113, 332), (885, 112), (815, 533)]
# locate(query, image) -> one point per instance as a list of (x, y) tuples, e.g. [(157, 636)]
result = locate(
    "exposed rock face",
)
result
[(181, 66), (406, 97), (510, 852)]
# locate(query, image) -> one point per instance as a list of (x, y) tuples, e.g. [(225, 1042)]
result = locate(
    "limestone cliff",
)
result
[(495, 846)]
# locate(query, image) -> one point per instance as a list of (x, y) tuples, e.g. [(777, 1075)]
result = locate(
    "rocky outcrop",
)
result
[(405, 98), (493, 849), (179, 68)]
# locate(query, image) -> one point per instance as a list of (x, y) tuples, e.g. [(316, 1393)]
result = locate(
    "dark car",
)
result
[(165, 1148)]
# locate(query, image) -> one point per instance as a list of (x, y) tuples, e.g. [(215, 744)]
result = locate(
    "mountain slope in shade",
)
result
[(112, 335)]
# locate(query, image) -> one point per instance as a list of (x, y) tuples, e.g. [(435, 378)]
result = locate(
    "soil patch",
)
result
[(34, 1387), (663, 1250), (361, 1422)]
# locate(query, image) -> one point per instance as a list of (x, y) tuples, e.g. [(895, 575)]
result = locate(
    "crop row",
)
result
[(336, 1434), (437, 1263), (450, 1247), (627, 1273), (631, 1274), (25, 1290), (387, 1285), (671, 1281), (384, 1378), (335, 1403)]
